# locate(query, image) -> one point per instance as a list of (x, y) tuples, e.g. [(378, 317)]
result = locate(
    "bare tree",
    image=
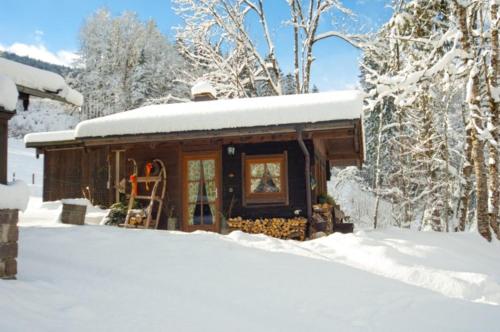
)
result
[(215, 37)]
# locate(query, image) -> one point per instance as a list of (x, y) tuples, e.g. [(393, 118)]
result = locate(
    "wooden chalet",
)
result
[(267, 157)]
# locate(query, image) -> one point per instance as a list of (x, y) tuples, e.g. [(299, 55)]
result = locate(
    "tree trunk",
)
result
[(476, 124), (467, 178), (377, 168), (482, 217), (495, 121)]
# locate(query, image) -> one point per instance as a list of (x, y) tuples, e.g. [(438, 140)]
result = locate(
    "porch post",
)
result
[(9, 232), (4, 118)]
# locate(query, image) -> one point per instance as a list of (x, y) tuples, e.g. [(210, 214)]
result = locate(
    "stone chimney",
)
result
[(203, 91)]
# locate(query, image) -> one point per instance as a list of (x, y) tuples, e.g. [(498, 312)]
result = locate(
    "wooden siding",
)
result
[(232, 181), (69, 169), (68, 172), (63, 171), (95, 175)]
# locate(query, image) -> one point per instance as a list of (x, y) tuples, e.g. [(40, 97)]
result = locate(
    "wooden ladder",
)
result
[(157, 195)]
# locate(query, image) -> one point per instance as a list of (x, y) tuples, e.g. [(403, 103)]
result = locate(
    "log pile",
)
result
[(322, 218), (294, 228), (137, 217)]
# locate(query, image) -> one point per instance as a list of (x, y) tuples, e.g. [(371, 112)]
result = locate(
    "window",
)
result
[(265, 179)]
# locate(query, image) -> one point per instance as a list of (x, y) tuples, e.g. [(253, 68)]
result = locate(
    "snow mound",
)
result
[(8, 93), (14, 195), (100, 278), (440, 262), (48, 214)]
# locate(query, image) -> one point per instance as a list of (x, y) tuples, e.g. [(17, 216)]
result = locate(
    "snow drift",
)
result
[(103, 278)]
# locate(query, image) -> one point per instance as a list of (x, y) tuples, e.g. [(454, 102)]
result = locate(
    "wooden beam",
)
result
[(69, 144), (342, 156), (356, 138), (345, 162), (60, 148), (42, 94), (227, 134), (335, 134)]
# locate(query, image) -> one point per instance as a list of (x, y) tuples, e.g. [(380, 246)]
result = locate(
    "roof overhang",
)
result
[(218, 133), (43, 94), (342, 139)]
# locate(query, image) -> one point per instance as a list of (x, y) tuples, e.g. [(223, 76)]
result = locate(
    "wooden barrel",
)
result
[(73, 214)]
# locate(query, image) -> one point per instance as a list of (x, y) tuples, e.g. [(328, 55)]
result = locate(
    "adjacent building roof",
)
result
[(40, 83), (51, 136)]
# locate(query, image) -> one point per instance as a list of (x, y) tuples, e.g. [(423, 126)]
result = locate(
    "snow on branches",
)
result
[(239, 62), (125, 63), (432, 102)]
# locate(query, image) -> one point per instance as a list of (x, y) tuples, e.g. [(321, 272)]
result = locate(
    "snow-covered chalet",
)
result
[(254, 158)]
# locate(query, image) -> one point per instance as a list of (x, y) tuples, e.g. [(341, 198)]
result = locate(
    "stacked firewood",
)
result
[(322, 219), (294, 228), (137, 217)]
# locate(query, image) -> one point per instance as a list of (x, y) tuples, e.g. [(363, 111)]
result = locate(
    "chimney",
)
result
[(203, 91)]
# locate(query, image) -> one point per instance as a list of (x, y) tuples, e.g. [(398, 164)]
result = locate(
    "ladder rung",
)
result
[(147, 198), (143, 179)]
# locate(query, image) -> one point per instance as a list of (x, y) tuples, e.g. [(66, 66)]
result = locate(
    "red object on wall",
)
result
[(133, 180)]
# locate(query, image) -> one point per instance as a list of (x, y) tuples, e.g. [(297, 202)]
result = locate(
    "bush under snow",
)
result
[(42, 115)]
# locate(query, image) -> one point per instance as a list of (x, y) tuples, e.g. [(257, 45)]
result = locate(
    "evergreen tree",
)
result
[(125, 63)]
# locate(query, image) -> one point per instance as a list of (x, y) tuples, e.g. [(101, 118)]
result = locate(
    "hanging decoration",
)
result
[(149, 168), (133, 181)]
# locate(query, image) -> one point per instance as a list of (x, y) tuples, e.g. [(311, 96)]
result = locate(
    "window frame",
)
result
[(266, 198)]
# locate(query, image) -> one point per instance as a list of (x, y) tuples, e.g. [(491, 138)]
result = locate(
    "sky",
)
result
[(49, 30)]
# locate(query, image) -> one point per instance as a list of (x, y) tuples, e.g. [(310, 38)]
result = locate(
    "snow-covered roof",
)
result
[(8, 93), (51, 136), (39, 80), (227, 114), (203, 87)]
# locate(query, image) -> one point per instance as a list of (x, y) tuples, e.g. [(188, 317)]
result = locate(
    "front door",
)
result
[(201, 191)]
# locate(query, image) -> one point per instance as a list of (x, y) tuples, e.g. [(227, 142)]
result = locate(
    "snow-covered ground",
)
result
[(102, 278), (22, 165)]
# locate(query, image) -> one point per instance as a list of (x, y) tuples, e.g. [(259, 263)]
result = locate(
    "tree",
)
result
[(124, 63), (216, 39), (445, 108)]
